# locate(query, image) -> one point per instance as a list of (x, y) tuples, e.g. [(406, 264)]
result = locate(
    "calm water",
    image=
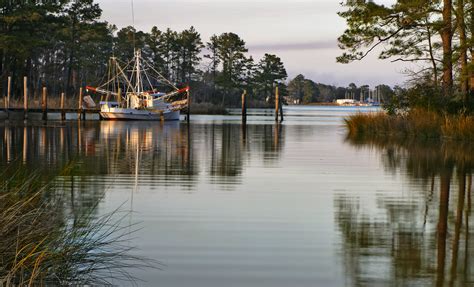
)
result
[(290, 205)]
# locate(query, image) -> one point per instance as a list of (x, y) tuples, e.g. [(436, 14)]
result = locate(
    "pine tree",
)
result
[(270, 70)]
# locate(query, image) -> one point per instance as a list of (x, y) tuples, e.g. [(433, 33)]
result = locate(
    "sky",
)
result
[(303, 33)]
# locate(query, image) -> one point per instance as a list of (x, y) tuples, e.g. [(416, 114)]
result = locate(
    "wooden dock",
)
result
[(54, 111), (38, 114), (81, 111)]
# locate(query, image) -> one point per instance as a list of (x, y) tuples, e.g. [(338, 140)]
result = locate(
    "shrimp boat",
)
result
[(131, 93)]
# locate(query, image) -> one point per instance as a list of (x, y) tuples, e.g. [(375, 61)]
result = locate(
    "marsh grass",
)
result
[(417, 123), (42, 244)]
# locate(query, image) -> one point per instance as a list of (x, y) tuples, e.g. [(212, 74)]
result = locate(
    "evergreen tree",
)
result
[(310, 92), (169, 53), (212, 46), (189, 46), (296, 88), (230, 49), (270, 70), (79, 15), (155, 40)]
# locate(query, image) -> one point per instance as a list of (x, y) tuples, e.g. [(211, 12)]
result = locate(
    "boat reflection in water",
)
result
[(166, 149), (424, 239)]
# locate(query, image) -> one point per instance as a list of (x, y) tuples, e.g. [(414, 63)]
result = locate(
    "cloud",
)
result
[(295, 46)]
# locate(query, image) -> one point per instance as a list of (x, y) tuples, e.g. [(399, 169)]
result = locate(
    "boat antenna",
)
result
[(133, 25)]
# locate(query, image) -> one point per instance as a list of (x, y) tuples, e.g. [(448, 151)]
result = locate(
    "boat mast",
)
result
[(137, 56), (136, 51)]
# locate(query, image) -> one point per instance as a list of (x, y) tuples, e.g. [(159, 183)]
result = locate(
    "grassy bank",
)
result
[(416, 123), (44, 243)]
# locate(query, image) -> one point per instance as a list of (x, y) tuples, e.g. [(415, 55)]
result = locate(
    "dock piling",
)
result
[(244, 107), (277, 103), (44, 104), (7, 99), (80, 108), (188, 110), (63, 113), (281, 111), (25, 98)]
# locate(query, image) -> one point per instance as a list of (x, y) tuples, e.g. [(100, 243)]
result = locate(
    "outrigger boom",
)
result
[(105, 92), (101, 91)]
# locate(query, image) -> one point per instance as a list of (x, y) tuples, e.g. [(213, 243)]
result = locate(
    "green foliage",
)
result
[(425, 97), (269, 71), (231, 52), (239, 71), (305, 91), (296, 88), (64, 45), (309, 92), (61, 43), (190, 45), (301, 90)]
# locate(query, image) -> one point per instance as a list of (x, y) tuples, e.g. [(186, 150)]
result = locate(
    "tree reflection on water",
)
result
[(419, 239), (170, 149)]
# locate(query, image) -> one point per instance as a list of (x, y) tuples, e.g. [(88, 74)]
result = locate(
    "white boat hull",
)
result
[(138, 115)]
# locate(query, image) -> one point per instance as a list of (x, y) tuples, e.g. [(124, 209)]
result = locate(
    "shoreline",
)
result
[(414, 125)]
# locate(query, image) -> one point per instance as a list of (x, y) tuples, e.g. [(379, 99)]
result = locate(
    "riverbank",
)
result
[(418, 124)]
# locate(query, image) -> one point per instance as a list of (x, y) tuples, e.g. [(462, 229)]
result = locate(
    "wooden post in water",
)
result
[(277, 103), (188, 110), (63, 113), (7, 100), (25, 98), (9, 90), (244, 107), (44, 104), (281, 111), (80, 104)]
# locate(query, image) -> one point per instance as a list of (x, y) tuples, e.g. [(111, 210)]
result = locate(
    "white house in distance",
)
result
[(346, 102)]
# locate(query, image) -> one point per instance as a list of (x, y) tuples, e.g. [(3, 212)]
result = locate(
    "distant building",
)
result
[(345, 102)]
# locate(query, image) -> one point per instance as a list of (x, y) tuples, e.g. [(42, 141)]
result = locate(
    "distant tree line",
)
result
[(306, 91), (63, 45)]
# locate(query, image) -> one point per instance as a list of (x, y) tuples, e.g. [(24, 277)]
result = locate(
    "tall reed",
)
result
[(42, 244)]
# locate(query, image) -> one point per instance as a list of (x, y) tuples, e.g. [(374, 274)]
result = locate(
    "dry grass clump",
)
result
[(459, 127), (42, 244), (416, 123)]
